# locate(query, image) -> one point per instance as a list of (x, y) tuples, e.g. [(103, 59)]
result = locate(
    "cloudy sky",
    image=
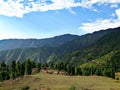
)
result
[(47, 18)]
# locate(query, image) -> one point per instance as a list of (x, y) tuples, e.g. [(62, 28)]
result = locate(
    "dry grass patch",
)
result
[(43, 81), (117, 75)]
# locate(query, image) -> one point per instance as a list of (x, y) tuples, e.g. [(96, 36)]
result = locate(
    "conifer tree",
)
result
[(3, 71), (38, 65), (18, 68), (28, 67), (13, 70), (22, 69)]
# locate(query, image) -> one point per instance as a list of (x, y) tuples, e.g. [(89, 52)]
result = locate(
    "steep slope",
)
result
[(101, 47), (35, 43), (111, 59), (84, 41), (36, 54), (52, 54)]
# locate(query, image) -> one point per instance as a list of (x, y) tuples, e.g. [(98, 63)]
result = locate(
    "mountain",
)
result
[(106, 44), (83, 41), (73, 51), (10, 44)]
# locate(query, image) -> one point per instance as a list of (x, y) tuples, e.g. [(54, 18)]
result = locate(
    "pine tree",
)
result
[(38, 66), (22, 69), (33, 64), (4, 75), (13, 70), (28, 67), (68, 68), (18, 68), (76, 70)]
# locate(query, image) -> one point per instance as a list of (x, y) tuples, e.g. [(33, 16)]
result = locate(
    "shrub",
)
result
[(25, 88), (72, 88), (117, 78)]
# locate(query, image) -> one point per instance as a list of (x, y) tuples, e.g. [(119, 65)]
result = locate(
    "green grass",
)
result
[(44, 81)]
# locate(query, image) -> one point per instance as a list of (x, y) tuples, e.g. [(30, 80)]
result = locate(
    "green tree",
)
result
[(38, 66), (13, 70), (28, 67), (45, 65), (33, 64), (18, 69), (22, 69), (68, 68), (109, 72), (4, 72), (77, 71)]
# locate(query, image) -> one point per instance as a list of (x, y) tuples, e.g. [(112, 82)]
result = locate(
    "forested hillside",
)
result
[(53, 51), (101, 47)]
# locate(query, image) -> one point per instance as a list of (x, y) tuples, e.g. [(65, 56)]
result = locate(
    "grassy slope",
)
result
[(61, 82)]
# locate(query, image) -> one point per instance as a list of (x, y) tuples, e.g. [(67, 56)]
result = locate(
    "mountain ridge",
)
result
[(102, 46), (53, 54), (9, 44)]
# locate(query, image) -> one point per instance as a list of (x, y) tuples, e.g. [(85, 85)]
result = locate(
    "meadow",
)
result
[(44, 81)]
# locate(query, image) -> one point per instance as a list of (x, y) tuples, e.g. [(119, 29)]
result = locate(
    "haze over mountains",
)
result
[(68, 48), (9, 44)]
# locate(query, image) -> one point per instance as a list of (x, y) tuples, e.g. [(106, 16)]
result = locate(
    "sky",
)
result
[(48, 18)]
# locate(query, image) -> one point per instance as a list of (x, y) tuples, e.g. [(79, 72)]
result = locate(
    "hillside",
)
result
[(85, 40), (35, 54), (51, 53), (105, 65), (101, 47)]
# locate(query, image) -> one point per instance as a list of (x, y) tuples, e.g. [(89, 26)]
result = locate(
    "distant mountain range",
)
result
[(68, 48), (9, 44)]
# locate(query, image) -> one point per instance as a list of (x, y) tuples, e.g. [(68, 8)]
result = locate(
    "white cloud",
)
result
[(20, 7), (118, 13), (71, 11), (11, 8), (90, 3), (114, 6), (101, 24), (113, 15)]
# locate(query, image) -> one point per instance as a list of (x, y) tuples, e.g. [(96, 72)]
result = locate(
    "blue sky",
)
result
[(48, 18)]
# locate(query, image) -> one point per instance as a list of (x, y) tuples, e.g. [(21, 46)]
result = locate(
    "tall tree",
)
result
[(13, 69), (28, 67), (38, 66), (22, 69), (18, 68), (4, 75)]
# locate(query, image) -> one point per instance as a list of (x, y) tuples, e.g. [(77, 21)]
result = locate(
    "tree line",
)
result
[(106, 70), (15, 69), (18, 69)]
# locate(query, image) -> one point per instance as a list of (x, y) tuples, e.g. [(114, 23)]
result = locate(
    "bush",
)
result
[(25, 88), (72, 88), (117, 78)]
